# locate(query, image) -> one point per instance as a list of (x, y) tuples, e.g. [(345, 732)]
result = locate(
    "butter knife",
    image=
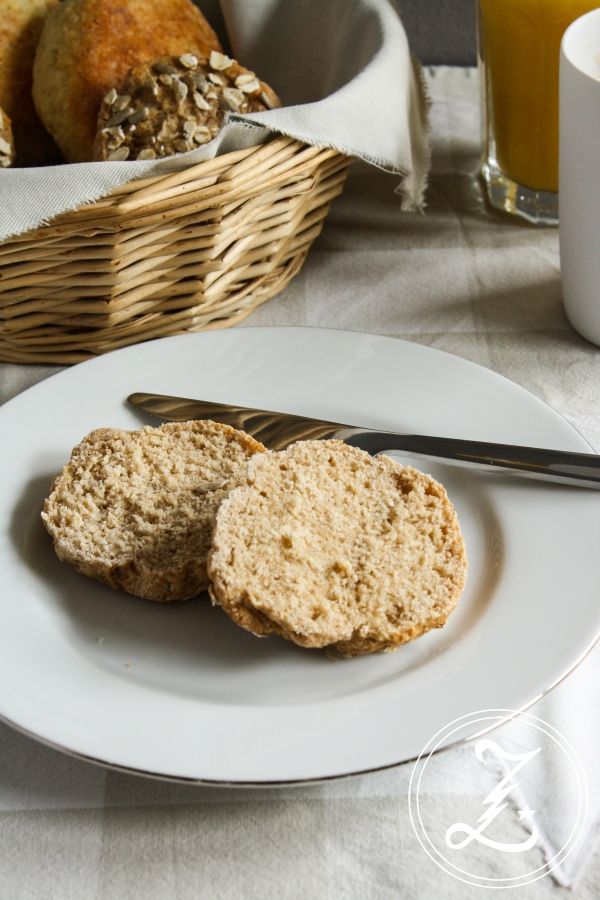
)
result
[(278, 430)]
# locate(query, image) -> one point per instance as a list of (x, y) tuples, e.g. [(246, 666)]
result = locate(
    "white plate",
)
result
[(177, 689)]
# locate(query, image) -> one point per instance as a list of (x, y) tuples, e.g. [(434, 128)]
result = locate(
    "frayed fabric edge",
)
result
[(411, 188), (413, 197), (166, 166)]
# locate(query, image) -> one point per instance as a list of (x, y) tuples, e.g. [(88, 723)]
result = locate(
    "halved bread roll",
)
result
[(329, 547), (136, 509)]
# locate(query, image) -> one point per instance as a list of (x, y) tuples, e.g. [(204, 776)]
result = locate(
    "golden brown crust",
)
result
[(174, 104), (328, 547), (21, 23), (7, 144), (88, 46), (135, 509)]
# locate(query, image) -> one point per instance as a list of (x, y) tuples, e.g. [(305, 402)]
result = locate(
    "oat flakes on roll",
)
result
[(174, 104), (136, 509), (7, 144), (328, 547), (87, 47)]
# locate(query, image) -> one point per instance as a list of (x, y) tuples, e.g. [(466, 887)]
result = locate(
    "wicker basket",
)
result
[(186, 252)]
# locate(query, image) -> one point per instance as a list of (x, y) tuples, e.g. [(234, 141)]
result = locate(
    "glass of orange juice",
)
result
[(519, 50)]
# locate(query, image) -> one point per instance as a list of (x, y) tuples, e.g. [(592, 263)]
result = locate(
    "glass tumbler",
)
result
[(519, 51)]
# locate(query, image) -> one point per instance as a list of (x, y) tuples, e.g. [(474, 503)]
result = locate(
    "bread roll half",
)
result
[(136, 509), (329, 547)]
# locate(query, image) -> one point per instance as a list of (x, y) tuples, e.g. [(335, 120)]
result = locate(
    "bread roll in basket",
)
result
[(96, 256), (190, 251)]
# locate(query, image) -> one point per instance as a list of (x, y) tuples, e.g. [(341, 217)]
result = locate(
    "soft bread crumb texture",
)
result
[(329, 547), (136, 509)]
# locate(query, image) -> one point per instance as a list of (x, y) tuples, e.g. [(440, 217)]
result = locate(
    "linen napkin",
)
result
[(343, 71)]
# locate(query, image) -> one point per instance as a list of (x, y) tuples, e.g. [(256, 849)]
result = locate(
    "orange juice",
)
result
[(521, 45)]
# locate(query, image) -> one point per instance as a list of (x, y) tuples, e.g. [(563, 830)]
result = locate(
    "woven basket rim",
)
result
[(195, 249)]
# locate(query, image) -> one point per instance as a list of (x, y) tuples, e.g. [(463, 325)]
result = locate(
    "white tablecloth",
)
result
[(458, 278)]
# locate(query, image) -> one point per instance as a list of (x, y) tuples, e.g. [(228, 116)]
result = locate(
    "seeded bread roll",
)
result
[(21, 23), (174, 104), (7, 145), (88, 46), (135, 509), (329, 547)]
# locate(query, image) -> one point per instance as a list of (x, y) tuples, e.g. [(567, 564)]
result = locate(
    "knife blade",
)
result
[(278, 430)]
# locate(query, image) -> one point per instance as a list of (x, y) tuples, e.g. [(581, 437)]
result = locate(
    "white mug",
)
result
[(579, 174)]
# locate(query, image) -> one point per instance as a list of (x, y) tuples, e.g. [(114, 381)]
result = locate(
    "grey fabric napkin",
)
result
[(342, 68)]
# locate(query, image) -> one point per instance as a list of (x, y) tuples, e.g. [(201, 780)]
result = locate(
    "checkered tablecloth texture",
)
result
[(457, 278)]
